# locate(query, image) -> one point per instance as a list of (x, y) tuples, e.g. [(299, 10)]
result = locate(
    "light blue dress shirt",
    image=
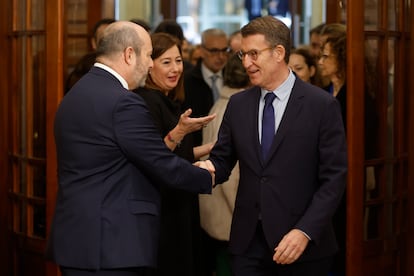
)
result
[(279, 104)]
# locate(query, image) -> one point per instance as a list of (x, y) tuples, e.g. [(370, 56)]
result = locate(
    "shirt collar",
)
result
[(283, 90), (113, 72), (207, 73)]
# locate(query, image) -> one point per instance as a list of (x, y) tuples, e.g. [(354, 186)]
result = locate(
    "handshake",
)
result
[(207, 165)]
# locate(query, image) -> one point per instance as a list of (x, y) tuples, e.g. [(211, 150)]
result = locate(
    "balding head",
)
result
[(118, 36), (126, 48)]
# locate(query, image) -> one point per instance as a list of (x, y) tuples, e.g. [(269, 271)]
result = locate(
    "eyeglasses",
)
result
[(252, 54), (216, 51)]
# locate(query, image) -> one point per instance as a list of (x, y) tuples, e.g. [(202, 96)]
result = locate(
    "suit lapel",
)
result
[(251, 123), (255, 134), (292, 110)]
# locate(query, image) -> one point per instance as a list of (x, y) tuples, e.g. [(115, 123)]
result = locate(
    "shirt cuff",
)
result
[(306, 235)]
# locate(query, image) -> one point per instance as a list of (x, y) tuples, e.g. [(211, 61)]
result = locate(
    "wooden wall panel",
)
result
[(5, 7), (355, 82), (410, 212), (333, 11), (169, 9)]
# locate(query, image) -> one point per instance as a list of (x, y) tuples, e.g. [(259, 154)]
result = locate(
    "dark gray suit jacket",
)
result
[(303, 179), (111, 162)]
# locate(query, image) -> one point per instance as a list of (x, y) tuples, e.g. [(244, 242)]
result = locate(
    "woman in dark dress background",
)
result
[(332, 65), (179, 252)]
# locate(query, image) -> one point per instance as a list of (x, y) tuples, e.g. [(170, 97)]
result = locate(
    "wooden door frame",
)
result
[(54, 88), (333, 11), (168, 9), (5, 262), (410, 204), (355, 79), (54, 93), (355, 191)]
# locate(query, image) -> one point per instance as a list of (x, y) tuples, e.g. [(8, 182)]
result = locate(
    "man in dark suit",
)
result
[(291, 183), (198, 82), (111, 162)]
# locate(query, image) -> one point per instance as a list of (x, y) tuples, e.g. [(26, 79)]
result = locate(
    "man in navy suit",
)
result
[(111, 162), (289, 190)]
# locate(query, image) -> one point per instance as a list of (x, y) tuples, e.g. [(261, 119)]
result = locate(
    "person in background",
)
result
[(87, 61), (98, 31), (303, 64), (331, 30), (164, 94), (186, 48), (317, 37), (170, 26), (289, 140), (235, 41), (144, 24), (202, 84), (216, 210), (195, 54), (334, 31), (315, 41), (109, 158), (332, 63)]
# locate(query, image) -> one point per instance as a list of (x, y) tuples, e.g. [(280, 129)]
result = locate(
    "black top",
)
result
[(341, 97), (180, 221), (166, 114), (339, 218), (198, 97)]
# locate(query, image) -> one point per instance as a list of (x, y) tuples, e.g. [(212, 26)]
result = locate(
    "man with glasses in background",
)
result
[(203, 83)]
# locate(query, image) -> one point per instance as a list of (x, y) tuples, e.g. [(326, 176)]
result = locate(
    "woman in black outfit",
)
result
[(332, 65), (164, 92)]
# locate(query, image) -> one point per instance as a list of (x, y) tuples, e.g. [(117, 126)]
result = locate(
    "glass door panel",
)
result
[(386, 175)]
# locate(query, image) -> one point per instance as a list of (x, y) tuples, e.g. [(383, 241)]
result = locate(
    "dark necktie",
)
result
[(214, 87), (268, 124)]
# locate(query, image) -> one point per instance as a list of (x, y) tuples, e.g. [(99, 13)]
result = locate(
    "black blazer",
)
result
[(301, 182), (198, 97), (111, 162)]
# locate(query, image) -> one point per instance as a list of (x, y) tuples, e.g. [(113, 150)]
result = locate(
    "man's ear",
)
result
[(93, 43), (129, 55), (280, 53)]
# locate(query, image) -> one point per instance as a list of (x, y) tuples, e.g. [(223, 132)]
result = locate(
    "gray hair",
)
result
[(117, 38), (214, 32)]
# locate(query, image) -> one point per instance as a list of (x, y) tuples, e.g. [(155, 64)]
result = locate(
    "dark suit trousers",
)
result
[(258, 261), (66, 271)]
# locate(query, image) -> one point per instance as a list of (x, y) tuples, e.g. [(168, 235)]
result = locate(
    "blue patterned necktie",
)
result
[(214, 88), (268, 124)]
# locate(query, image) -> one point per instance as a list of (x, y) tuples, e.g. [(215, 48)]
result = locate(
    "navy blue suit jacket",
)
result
[(301, 182), (111, 161)]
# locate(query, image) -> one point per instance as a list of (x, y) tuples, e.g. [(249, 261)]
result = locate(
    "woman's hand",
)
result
[(187, 124)]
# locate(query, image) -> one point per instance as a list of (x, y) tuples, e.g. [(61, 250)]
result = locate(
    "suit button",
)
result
[(263, 180)]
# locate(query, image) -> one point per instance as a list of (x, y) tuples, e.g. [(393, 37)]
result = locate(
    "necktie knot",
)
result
[(214, 88), (269, 98)]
